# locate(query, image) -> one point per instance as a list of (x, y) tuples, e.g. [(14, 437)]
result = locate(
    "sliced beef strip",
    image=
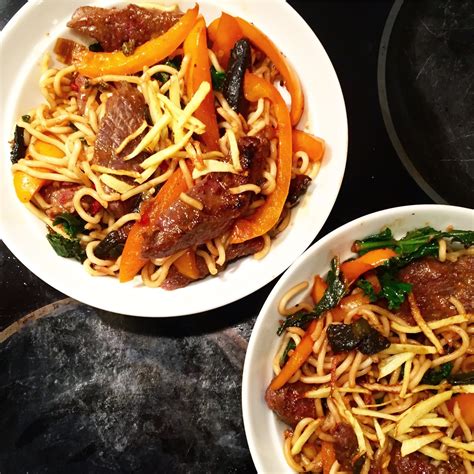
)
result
[(112, 27), (298, 187), (175, 279), (418, 463), (182, 226), (289, 404), (60, 196), (345, 444), (434, 282), (125, 112)]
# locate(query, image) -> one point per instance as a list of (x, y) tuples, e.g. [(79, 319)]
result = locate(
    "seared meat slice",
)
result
[(289, 404), (434, 282), (418, 463), (345, 444), (60, 196), (124, 113), (182, 226), (298, 187), (176, 280), (112, 27)]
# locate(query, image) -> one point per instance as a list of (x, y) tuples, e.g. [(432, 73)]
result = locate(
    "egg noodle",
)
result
[(170, 140), (390, 403)]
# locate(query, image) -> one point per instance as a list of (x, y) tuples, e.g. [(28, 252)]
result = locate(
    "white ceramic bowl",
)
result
[(34, 30), (263, 429)]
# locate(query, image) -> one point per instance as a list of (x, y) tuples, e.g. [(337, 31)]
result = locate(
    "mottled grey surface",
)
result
[(78, 393), (429, 82)]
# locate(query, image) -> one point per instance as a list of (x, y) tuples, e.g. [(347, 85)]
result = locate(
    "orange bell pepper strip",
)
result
[(292, 83), (227, 34), (92, 64), (27, 186), (132, 260), (310, 144), (353, 269), (304, 348), (195, 46), (267, 215), (212, 29), (328, 456), (187, 266), (319, 287), (466, 405), (348, 303)]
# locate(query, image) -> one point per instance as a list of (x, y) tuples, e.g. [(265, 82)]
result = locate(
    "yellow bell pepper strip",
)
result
[(305, 347), (152, 52), (187, 266), (353, 269), (227, 34), (25, 185), (292, 83), (313, 146), (195, 46), (267, 215), (132, 260)]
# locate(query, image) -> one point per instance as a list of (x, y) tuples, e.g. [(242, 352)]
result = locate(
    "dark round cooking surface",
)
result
[(426, 89)]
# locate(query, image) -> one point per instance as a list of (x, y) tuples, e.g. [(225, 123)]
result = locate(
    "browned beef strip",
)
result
[(418, 463), (112, 27), (289, 404), (175, 280), (345, 444), (124, 113), (182, 226), (434, 282), (298, 187), (60, 196)]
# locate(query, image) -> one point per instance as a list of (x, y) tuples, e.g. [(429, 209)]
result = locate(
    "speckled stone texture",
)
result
[(430, 91)]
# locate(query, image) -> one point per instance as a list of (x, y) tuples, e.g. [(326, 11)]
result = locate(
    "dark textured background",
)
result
[(87, 391)]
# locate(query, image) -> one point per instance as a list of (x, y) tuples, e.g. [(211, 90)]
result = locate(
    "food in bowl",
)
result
[(375, 370), (155, 154)]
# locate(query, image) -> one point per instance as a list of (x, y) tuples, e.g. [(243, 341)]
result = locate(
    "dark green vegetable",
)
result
[(332, 296), (240, 58), (218, 79), (437, 375), (368, 289), (290, 346), (413, 242), (392, 290), (18, 144), (357, 335), (72, 223), (96, 48), (164, 76), (65, 247), (462, 378), (112, 245)]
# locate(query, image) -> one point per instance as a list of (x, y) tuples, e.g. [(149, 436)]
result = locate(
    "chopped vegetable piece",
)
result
[(18, 145), (111, 247), (267, 215), (297, 359), (164, 76), (348, 303), (227, 33), (72, 223), (67, 248), (195, 47), (292, 83), (308, 143), (368, 289), (331, 298), (353, 269), (96, 47), (357, 335), (318, 290), (461, 378), (289, 347), (328, 456), (466, 404), (437, 375), (393, 291), (187, 266), (26, 186), (218, 79), (92, 64), (233, 89)]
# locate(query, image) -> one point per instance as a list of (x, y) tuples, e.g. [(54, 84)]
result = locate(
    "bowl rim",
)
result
[(20, 19), (309, 254)]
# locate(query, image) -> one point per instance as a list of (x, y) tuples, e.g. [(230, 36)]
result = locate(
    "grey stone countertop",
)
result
[(83, 390)]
